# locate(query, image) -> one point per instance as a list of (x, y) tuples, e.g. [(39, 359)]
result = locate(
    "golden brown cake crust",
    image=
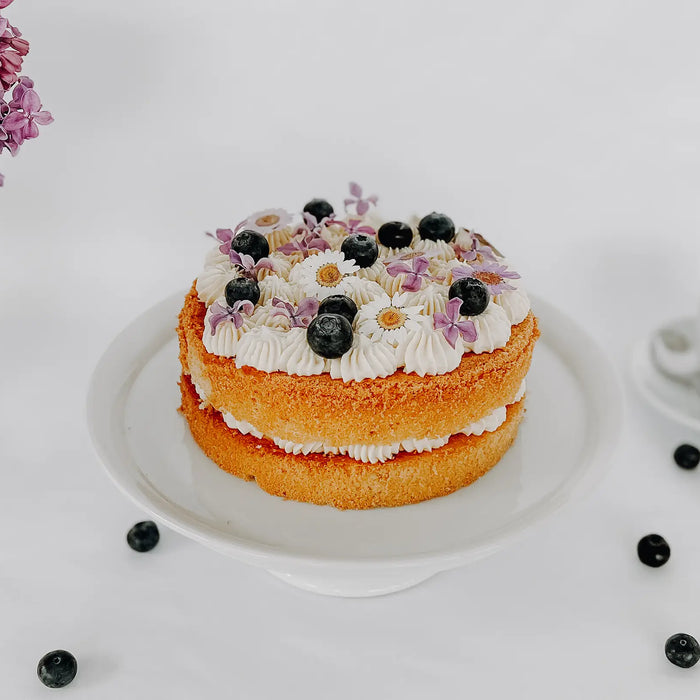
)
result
[(338, 480), (377, 411)]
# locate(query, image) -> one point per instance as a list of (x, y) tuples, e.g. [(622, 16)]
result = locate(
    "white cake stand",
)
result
[(572, 422)]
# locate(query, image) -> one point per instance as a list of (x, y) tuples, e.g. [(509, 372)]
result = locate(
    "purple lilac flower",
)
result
[(492, 274), (22, 123), (224, 236), (300, 317), (353, 227), (23, 84), (221, 313), (415, 272), (5, 3), (7, 140), (12, 51), (313, 225), (247, 266), (361, 203), (478, 248), (451, 326), (304, 242)]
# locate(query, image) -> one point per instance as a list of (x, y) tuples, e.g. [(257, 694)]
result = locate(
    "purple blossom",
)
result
[(221, 313), (477, 249), (361, 203), (22, 123), (313, 225), (12, 51), (451, 326), (7, 140), (247, 266), (21, 117), (494, 275), (304, 242), (23, 84), (415, 272), (353, 227), (300, 317), (224, 236)]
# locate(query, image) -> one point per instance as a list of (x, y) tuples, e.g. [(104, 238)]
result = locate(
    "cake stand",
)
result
[(572, 423)]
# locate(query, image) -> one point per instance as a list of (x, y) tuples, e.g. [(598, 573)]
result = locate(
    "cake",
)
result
[(344, 360)]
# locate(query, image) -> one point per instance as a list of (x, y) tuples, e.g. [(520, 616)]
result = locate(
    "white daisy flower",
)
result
[(388, 319), (266, 221), (324, 274)]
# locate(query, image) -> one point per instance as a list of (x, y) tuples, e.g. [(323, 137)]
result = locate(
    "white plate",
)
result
[(676, 401), (572, 421)]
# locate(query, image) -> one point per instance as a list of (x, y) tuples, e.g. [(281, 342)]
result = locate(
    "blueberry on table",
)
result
[(687, 456), (653, 550), (395, 234), (436, 227), (251, 243), (360, 248), (338, 304), (57, 668), (143, 537), (319, 208), (682, 650), (473, 293), (242, 288), (329, 335)]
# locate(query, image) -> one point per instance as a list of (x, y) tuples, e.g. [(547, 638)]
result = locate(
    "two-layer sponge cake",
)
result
[(343, 361)]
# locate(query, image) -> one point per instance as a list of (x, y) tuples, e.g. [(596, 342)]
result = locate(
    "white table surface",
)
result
[(570, 136)]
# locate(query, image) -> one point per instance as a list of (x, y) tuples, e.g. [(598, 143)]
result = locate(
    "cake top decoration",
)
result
[(417, 295)]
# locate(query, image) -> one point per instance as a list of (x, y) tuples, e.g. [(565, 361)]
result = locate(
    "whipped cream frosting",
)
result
[(271, 342), (428, 352)]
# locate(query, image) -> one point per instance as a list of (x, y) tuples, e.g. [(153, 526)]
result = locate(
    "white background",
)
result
[(568, 133)]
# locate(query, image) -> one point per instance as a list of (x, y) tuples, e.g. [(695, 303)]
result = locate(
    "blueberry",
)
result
[(436, 227), (319, 208), (360, 248), (473, 293), (242, 288), (57, 668), (687, 456), (338, 304), (251, 243), (653, 550), (395, 234), (682, 650), (143, 537), (329, 335)]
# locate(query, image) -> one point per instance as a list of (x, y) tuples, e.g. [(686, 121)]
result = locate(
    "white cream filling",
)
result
[(369, 453)]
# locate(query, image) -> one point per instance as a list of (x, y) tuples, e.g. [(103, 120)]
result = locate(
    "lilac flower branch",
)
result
[(20, 116)]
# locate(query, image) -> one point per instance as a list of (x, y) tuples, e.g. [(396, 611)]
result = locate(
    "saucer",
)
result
[(572, 422), (676, 400)]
